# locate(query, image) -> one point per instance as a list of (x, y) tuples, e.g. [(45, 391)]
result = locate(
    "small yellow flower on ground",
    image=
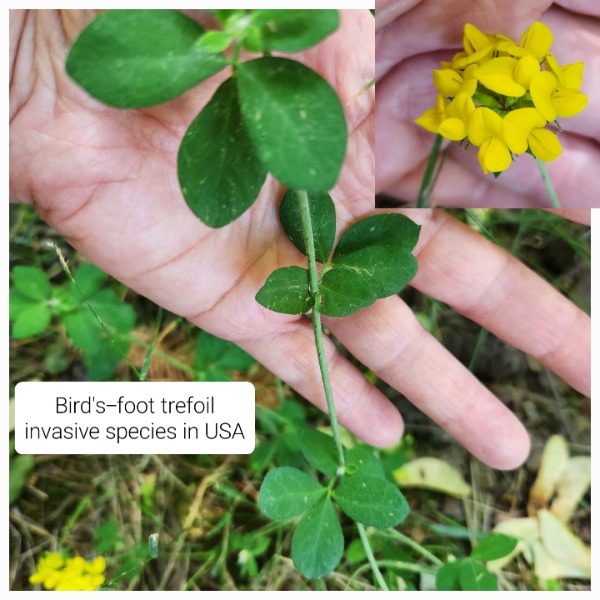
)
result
[(72, 574)]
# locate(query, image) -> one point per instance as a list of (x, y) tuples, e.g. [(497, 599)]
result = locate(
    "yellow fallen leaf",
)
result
[(564, 547), (526, 530), (433, 474), (571, 487), (552, 465)]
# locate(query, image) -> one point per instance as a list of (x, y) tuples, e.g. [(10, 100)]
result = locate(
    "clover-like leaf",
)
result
[(362, 461), (475, 577), (31, 282), (295, 120), (219, 171), (139, 58), (31, 320), (494, 546), (318, 542), (371, 500), (322, 216), (344, 291), (320, 450), (287, 492), (286, 291), (379, 249), (293, 30)]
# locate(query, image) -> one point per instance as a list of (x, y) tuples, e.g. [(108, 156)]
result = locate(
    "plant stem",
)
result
[(371, 557), (309, 243), (549, 188), (426, 188), (394, 534)]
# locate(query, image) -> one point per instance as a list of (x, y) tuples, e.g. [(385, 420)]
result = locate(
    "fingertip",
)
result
[(384, 429), (510, 451)]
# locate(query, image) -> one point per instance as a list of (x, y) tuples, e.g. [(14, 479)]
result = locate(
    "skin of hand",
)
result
[(413, 36), (106, 180)]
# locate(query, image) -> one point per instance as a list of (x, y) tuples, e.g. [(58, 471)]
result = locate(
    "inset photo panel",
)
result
[(487, 106)]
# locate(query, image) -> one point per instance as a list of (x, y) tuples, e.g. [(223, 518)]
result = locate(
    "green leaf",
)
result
[(107, 537), (343, 292), (287, 492), (220, 352), (102, 364), (17, 303), (379, 249), (319, 450), (475, 577), (364, 461), (294, 30), (318, 542), (388, 229), (214, 41), (447, 577), (20, 467), (295, 120), (494, 546), (31, 321), (84, 330), (371, 500), (286, 291), (89, 279), (113, 312), (31, 282), (385, 269), (322, 215), (219, 171), (139, 58)]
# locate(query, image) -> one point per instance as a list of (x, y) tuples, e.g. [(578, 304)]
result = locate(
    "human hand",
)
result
[(106, 180), (413, 36)]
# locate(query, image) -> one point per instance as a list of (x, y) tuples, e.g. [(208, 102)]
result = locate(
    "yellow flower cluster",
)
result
[(74, 574), (501, 96)]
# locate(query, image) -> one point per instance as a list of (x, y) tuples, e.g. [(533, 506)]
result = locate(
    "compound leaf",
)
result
[(287, 492), (322, 216), (371, 500), (344, 291), (318, 542), (494, 546), (295, 120), (219, 171), (31, 282), (320, 450), (139, 58), (292, 30), (286, 291), (475, 577), (32, 320)]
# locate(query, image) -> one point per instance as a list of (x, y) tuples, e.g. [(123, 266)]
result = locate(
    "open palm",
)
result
[(413, 37)]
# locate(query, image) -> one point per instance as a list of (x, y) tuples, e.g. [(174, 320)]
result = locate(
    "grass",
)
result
[(204, 508)]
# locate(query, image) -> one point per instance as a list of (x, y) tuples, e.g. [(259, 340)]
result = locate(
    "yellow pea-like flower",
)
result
[(485, 130), (525, 128), (552, 101)]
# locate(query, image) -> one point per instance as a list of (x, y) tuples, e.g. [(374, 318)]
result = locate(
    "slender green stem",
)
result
[(394, 534), (371, 557), (426, 188), (309, 243), (549, 188), (392, 564)]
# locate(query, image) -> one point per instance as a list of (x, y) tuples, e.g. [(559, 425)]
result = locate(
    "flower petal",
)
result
[(453, 129), (494, 156), (568, 103), (526, 69), (542, 87), (573, 75), (430, 119), (474, 39), (498, 75), (537, 39), (517, 125), (483, 125), (447, 81), (544, 144)]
